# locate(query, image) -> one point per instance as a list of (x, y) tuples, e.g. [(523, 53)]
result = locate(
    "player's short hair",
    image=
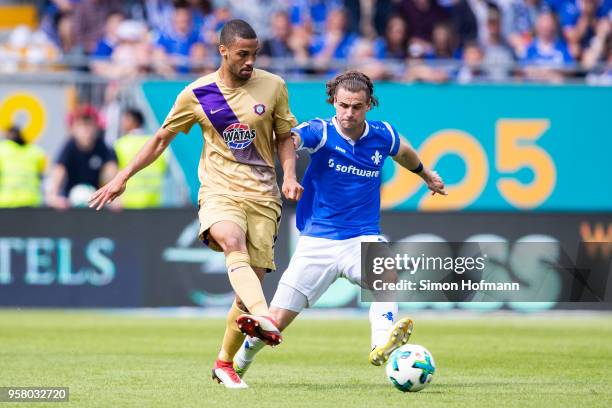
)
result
[(352, 81), (236, 29), (136, 116)]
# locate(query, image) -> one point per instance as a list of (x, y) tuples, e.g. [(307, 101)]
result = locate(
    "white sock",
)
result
[(382, 317), (250, 347)]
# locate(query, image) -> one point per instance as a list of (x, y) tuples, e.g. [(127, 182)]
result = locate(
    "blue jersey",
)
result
[(341, 198)]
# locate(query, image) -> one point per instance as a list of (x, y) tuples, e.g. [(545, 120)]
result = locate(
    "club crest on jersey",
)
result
[(259, 109), (376, 158), (238, 135)]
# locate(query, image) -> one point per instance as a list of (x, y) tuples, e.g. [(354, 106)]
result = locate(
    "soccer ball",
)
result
[(410, 368), (79, 195)]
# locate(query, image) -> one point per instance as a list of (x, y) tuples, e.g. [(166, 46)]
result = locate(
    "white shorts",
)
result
[(315, 265)]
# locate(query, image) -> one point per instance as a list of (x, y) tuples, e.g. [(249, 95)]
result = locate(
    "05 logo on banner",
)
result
[(515, 149)]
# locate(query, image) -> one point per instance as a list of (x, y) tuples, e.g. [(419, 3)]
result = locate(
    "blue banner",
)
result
[(498, 147)]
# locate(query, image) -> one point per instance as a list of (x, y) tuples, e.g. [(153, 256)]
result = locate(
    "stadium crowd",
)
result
[(410, 40)]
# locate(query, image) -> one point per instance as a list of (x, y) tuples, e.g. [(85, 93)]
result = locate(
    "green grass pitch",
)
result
[(112, 360)]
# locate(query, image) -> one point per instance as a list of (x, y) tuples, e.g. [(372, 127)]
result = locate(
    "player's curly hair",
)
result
[(352, 81)]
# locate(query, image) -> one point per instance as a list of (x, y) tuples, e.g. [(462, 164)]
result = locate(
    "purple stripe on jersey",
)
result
[(216, 107), (221, 116)]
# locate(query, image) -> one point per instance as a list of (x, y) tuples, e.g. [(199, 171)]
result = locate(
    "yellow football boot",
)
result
[(398, 336)]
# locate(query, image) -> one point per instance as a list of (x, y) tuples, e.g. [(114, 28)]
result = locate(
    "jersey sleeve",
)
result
[(283, 118), (182, 115), (394, 140), (311, 135)]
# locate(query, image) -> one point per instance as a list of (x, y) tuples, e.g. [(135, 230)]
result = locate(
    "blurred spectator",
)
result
[(394, 45), (201, 11), (159, 14), (312, 14), (145, 189), (336, 43), (177, 47), (257, 13), (547, 48), (579, 20), (353, 15), (443, 48), (205, 22), (50, 14), (285, 43), (599, 46), (213, 23), (65, 35), (519, 19), (84, 160), (444, 42), (363, 59), (416, 68), (462, 19), (101, 59), (555, 5), (498, 55), (547, 54), (480, 9), (132, 55), (471, 68), (602, 75), (90, 19), (105, 46), (21, 167), (26, 50), (383, 11), (421, 17)]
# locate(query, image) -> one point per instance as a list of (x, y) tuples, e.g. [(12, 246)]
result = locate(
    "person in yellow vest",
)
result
[(145, 189), (21, 168)]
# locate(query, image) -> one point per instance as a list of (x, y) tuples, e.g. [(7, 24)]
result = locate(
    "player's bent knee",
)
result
[(232, 244), (229, 236)]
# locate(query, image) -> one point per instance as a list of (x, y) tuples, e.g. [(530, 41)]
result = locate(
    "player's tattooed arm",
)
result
[(286, 154), (408, 158), (154, 147)]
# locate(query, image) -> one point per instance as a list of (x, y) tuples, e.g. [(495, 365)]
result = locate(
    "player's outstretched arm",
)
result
[(147, 155), (408, 158), (286, 154)]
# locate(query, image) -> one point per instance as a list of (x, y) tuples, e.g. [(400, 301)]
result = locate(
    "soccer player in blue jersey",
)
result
[(339, 209)]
